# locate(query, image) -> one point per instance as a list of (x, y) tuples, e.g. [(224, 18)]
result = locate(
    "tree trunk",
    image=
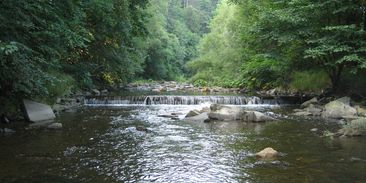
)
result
[(335, 77)]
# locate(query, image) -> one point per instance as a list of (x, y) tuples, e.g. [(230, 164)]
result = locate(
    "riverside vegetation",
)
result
[(50, 49)]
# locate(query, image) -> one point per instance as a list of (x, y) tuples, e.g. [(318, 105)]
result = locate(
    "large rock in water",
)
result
[(339, 108), (36, 112), (229, 113), (198, 118)]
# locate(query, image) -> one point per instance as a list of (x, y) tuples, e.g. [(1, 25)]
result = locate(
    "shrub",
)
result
[(310, 81)]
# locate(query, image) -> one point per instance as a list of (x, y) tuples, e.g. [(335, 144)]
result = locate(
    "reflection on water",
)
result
[(108, 145)]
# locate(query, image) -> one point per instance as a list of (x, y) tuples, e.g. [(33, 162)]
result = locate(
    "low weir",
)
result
[(189, 100)]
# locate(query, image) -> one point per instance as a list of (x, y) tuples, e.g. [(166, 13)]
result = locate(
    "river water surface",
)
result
[(106, 144)]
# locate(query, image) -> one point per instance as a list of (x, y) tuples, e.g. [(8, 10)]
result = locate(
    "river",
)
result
[(104, 143)]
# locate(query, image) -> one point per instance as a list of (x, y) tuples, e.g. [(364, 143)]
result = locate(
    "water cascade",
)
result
[(186, 100)]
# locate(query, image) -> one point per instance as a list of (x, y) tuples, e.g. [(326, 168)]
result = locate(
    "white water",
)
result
[(181, 100)]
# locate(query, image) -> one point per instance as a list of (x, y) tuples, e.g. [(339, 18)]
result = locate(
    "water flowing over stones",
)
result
[(184, 100)]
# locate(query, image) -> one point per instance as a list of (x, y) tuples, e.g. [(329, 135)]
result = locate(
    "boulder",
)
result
[(226, 113), (339, 108), (36, 112), (311, 101), (55, 126), (267, 154), (203, 117)]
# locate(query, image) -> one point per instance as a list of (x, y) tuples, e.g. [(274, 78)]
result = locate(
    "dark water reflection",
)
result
[(103, 145)]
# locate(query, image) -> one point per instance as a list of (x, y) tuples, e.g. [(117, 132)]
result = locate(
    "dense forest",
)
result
[(49, 48), (306, 45)]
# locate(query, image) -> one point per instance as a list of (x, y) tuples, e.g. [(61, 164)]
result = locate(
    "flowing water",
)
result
[(105, 143)]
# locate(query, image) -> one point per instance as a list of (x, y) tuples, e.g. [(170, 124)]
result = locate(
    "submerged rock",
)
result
[(55, 126), (356, 127), (267, 154)]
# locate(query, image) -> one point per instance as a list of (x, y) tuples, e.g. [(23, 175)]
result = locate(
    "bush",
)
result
[(310, 81), (263, 72), (200, 82), (61, 85)]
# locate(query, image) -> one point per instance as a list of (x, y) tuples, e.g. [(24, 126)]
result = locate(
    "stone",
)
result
[(314, 110), (203, 117), (156, 90), (311, 101), (339, 108), (255, 116), (314, 130), (361, 111), (95, 92), (267, 154), (356, 127), (193, 113), (36, 112), (55, 126), (234, 113)]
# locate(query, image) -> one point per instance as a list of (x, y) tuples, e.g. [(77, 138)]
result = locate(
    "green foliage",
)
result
[(310, 81), (263, 72), (220, 51), (200, 83), (175, 28), (62, 85), (43, 43), (294, 35)]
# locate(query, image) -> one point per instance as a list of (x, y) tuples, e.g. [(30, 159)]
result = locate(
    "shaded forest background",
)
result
[(50, 48)]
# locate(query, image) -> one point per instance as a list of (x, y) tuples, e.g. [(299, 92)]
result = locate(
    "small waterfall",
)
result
[(183, 100)]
